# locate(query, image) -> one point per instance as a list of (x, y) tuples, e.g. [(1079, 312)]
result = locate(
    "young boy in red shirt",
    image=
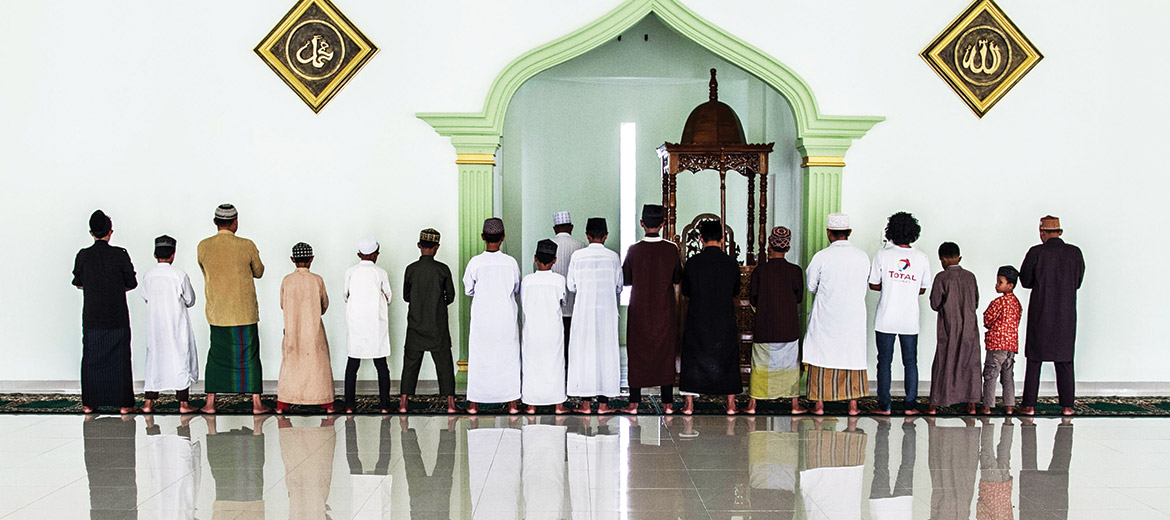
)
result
[(1002, 320)]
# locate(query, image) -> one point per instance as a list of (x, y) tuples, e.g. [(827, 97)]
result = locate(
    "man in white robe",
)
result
[(542, 376), (835, 343), (176, 468), (595, 275), (171, 360), (566, 246), (492, 280)]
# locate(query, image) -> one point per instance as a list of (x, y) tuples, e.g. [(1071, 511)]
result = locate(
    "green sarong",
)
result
[(233, 362)]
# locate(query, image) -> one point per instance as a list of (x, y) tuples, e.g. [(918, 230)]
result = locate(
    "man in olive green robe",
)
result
[(429, 289)]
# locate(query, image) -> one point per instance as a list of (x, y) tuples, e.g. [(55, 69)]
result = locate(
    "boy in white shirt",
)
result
[(542, 356), (367, 295), (171, 360), (901, 274)]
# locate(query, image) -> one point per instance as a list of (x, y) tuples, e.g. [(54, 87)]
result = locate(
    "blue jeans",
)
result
[(885, 348)]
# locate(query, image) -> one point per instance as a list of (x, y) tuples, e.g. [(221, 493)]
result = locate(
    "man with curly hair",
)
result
[(901, 274)]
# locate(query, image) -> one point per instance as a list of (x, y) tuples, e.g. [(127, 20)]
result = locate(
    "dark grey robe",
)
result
[(1054, 271), (710, 349), (956, 376)]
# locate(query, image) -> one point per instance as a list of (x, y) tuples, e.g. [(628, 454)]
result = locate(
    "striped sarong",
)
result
[(834, 384), (832, 449), (775, 370), (106, 378), (233, 361)]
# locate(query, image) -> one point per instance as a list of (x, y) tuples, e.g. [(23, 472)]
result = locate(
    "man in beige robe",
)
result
[(306, 376)]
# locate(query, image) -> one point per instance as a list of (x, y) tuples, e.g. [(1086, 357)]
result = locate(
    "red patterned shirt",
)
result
[(1002, 319)]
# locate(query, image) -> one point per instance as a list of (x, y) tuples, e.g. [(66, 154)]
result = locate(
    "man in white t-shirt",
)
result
[(901, 274)]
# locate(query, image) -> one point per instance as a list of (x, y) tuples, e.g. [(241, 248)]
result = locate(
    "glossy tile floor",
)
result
[(581, 467)]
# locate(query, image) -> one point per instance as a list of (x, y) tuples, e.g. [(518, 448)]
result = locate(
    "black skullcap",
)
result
[(546, 246), (652, 214), (596, 227)]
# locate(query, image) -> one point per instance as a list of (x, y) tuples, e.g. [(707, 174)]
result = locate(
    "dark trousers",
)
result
[(444, 369), (667, 395), (885, 349), (568, 320), (351, 370), (180, 395), (1066, 384)]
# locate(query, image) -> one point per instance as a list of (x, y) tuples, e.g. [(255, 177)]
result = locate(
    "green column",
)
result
[(822, 165), (476, 162)]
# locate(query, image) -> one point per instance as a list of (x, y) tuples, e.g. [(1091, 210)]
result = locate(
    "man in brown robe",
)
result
[(306, 376), (956, 376), (1054, 271), (653, 270)]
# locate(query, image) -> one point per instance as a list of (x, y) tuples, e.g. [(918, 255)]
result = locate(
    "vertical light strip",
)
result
[(628, 175), (624, 466)]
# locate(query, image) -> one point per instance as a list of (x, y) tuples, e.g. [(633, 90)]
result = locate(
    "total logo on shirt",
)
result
[(900, 274)]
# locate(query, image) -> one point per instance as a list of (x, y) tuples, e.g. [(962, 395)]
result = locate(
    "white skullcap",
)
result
[(838, 222), (367, 245), (561, 217)]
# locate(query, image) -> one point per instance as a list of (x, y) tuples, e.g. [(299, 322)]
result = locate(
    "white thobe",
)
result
[(175, 469), (836, 337), (543, 472), (543, 346), (595, 274), (832, 493), (367, 293), (566, 246), (595, 463), (171, 360), (492, 279)]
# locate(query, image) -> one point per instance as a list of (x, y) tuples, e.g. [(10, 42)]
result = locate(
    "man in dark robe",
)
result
[(710, 349), (653, 269), (104, 274), (110, 462), (1054, 271)]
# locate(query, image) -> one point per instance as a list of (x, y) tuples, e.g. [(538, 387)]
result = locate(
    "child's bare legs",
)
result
[(751, 407), (209, 404), (853, 409), (257, 406), (148, 406), (689, 404), (402, 404), (796, 408), (731, 410), (451, 406)]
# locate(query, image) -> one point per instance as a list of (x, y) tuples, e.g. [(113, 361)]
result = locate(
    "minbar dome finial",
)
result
[(713, 122)]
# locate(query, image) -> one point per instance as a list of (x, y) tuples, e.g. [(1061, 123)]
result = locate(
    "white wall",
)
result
[(156, 113)]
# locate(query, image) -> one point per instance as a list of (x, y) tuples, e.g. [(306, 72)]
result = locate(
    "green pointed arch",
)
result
[(822, 135)]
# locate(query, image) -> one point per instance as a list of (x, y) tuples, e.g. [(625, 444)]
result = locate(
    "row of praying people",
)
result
[(508, 364), (229, 265)]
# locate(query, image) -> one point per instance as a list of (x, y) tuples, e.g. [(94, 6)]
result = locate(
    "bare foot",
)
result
[(799, 410), (819, 408), (1067, 411), (512, 409), (882, 412), (208, 409), (912, 411), (689, 406), (1027, 410), (86, 409), (531, 410), (148, 407), (932, 410), (732, 411), (1010, 410), (971, 408), (451, 406), (560, 409), (279, 411), (751, 407), (631, 409), (385, 411), (473, 408), (986, 410), (130, 409), (603, 408), (186, 408), (586, 407), (668, 409), (402, 405)]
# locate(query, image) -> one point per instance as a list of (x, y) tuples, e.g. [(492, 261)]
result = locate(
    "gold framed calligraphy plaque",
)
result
[(315, 49), (981, 55)]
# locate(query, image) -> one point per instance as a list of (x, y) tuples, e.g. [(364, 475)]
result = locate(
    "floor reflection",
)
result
[(547, 467)]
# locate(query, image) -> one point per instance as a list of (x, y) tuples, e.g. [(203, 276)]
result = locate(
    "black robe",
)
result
[(710, 349), (1054, 271), (1044, 493)]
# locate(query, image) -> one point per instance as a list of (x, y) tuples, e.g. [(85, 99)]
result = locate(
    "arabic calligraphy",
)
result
[(969, 58), (319, 52), (314, 50)]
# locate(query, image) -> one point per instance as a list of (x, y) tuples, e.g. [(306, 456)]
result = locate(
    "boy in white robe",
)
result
[(171, 360), (367, 294), (595, 275), (492, 280), (543, 359)]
